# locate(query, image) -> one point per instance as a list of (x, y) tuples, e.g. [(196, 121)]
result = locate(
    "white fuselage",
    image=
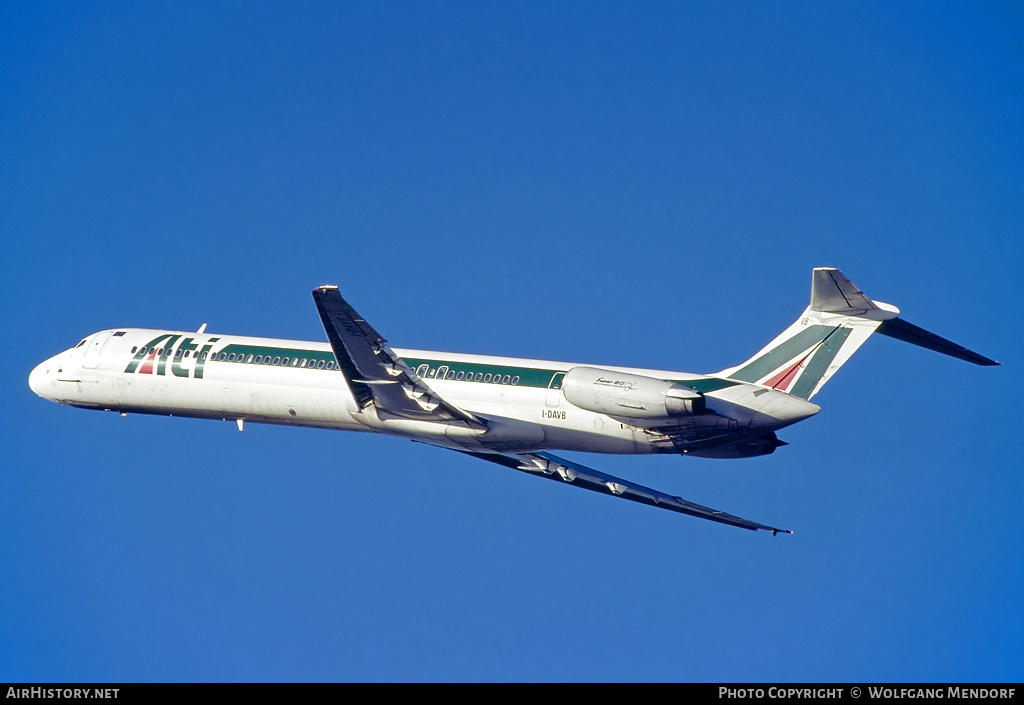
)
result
[(298, 383)]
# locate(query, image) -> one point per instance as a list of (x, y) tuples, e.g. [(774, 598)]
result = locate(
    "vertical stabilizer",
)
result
[(804, 357), (838, 321)]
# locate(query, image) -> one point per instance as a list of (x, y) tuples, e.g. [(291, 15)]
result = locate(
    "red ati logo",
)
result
[(153, 357)]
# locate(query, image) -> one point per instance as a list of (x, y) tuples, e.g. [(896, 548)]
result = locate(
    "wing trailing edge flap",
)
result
[(553, 467), (374, 373)]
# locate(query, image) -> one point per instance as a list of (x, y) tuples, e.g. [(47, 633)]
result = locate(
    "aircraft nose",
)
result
[(40, 379)]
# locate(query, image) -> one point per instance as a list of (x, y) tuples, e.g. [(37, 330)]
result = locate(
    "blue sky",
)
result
[(598, 182)]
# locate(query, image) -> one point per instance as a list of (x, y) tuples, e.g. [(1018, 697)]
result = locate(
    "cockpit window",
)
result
[(82, 343)]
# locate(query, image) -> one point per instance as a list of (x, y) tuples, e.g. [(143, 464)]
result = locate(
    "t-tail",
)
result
[(838, 321)]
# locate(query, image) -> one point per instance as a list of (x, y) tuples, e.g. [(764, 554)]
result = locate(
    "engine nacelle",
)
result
[(630, 396)]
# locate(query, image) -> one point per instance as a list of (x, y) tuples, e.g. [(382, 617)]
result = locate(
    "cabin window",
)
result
[(479, 376), (259, 359), (506, 379), (277, 359), (303, 363), (487, 377), (320, 365), (133, 350), (177, 354), (515, 380), (231, 357), (295, 361), (460, 375), (284, 361), (266, 360), (430, 373), (450, 375), (330, 364)]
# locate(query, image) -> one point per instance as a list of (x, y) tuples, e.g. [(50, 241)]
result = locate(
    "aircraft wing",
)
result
[(554, 468), (374, 373)]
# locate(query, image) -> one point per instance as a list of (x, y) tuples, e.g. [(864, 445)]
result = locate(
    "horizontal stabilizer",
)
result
[(909, 333)]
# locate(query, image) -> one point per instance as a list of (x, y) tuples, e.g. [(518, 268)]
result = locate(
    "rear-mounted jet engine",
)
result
[(620, 394)]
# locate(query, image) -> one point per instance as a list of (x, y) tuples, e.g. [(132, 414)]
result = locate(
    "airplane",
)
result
[(509, 411)]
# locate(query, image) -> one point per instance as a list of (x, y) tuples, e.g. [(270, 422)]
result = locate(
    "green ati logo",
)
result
[(153, 357)]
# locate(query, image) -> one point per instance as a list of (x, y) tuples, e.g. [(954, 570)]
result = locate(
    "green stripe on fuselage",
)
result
[(707, 385), (242, 353), (528, 376)]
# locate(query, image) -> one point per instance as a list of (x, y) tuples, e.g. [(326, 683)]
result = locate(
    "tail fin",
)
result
[(838, 321)]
